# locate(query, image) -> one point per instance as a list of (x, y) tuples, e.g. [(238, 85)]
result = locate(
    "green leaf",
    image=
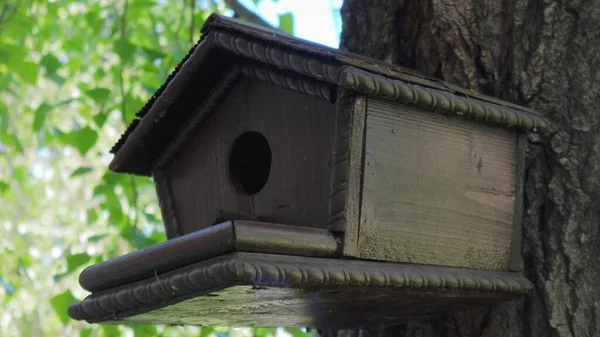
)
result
[(144, 331), (40, 116), (42, 112), (81, 171), (264, 332), (11, 140), (296, 332), (136, 237), (57, 79), (151, 218), (4, 119), (4, 186), (100, 118), (206, 331), (157, 237), (50, 63), (153, 54), (12, 55), (77, 260), (111, 331), (20, 174), (28, 71), (91, 216), (61, 303), (124, 49), (99, 95), (137, 5), (85, 332), (26, 261), (286, 23), (82, 139), (96, 238), (59, 277)]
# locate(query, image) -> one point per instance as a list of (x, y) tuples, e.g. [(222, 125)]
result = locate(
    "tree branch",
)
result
[(241, 11)]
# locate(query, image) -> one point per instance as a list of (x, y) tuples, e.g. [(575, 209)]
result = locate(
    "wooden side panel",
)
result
[(167, 207), (344, 207), (298, 129), (437, 190)]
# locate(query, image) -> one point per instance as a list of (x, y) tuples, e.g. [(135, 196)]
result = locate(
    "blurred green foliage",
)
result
[(72, 74)]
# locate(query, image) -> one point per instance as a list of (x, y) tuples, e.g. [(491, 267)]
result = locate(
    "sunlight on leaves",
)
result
[(60, 303), (286, 23)]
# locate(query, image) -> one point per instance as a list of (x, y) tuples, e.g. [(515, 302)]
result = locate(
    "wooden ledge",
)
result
[(246, 289), (227, 237)]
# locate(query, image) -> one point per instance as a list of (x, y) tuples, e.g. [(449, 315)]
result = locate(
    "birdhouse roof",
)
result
[(231, 48)]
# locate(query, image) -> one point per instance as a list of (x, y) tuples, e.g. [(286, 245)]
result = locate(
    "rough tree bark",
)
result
[(544, 54)]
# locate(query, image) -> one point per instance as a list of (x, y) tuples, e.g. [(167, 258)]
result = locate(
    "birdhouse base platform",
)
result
[(226, 281)]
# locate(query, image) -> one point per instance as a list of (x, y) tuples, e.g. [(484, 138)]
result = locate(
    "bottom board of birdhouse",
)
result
[(254, 289)]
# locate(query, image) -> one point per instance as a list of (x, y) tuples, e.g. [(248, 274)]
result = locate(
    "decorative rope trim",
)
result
[(350, 72), (439, 101), (277, 56), (372, 84), (341, 163), (292, 81), (285, 271)]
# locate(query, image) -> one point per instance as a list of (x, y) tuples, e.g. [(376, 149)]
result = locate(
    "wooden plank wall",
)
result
[(437, 190), (298, 129)]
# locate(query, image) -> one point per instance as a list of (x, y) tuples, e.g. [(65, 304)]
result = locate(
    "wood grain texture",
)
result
[(198, 115), (167, 206), (439, 101), (160, 258), (252, 236), (250, 289), (298, 130), (437, 190), (344, 203), (227, 237)]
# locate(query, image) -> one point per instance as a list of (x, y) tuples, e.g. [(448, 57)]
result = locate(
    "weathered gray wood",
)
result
[(160, 258), (344, 207), (261, 237), (250, 289), (298, 129), (227, 237), (437, 190), (167, 206), (356, 162)]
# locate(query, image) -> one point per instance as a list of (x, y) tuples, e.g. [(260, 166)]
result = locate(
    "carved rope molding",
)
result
[(350, 77), (284, 271), (296, 83), (341, 164), (277, 56), (438, 101)]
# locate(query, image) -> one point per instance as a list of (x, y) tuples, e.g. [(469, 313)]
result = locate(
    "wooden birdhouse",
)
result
[(304, 186)]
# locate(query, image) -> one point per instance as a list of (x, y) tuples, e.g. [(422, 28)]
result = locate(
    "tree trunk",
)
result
[(544, 54)]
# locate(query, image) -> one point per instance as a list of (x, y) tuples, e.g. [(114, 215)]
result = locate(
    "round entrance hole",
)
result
[(250, 162)]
